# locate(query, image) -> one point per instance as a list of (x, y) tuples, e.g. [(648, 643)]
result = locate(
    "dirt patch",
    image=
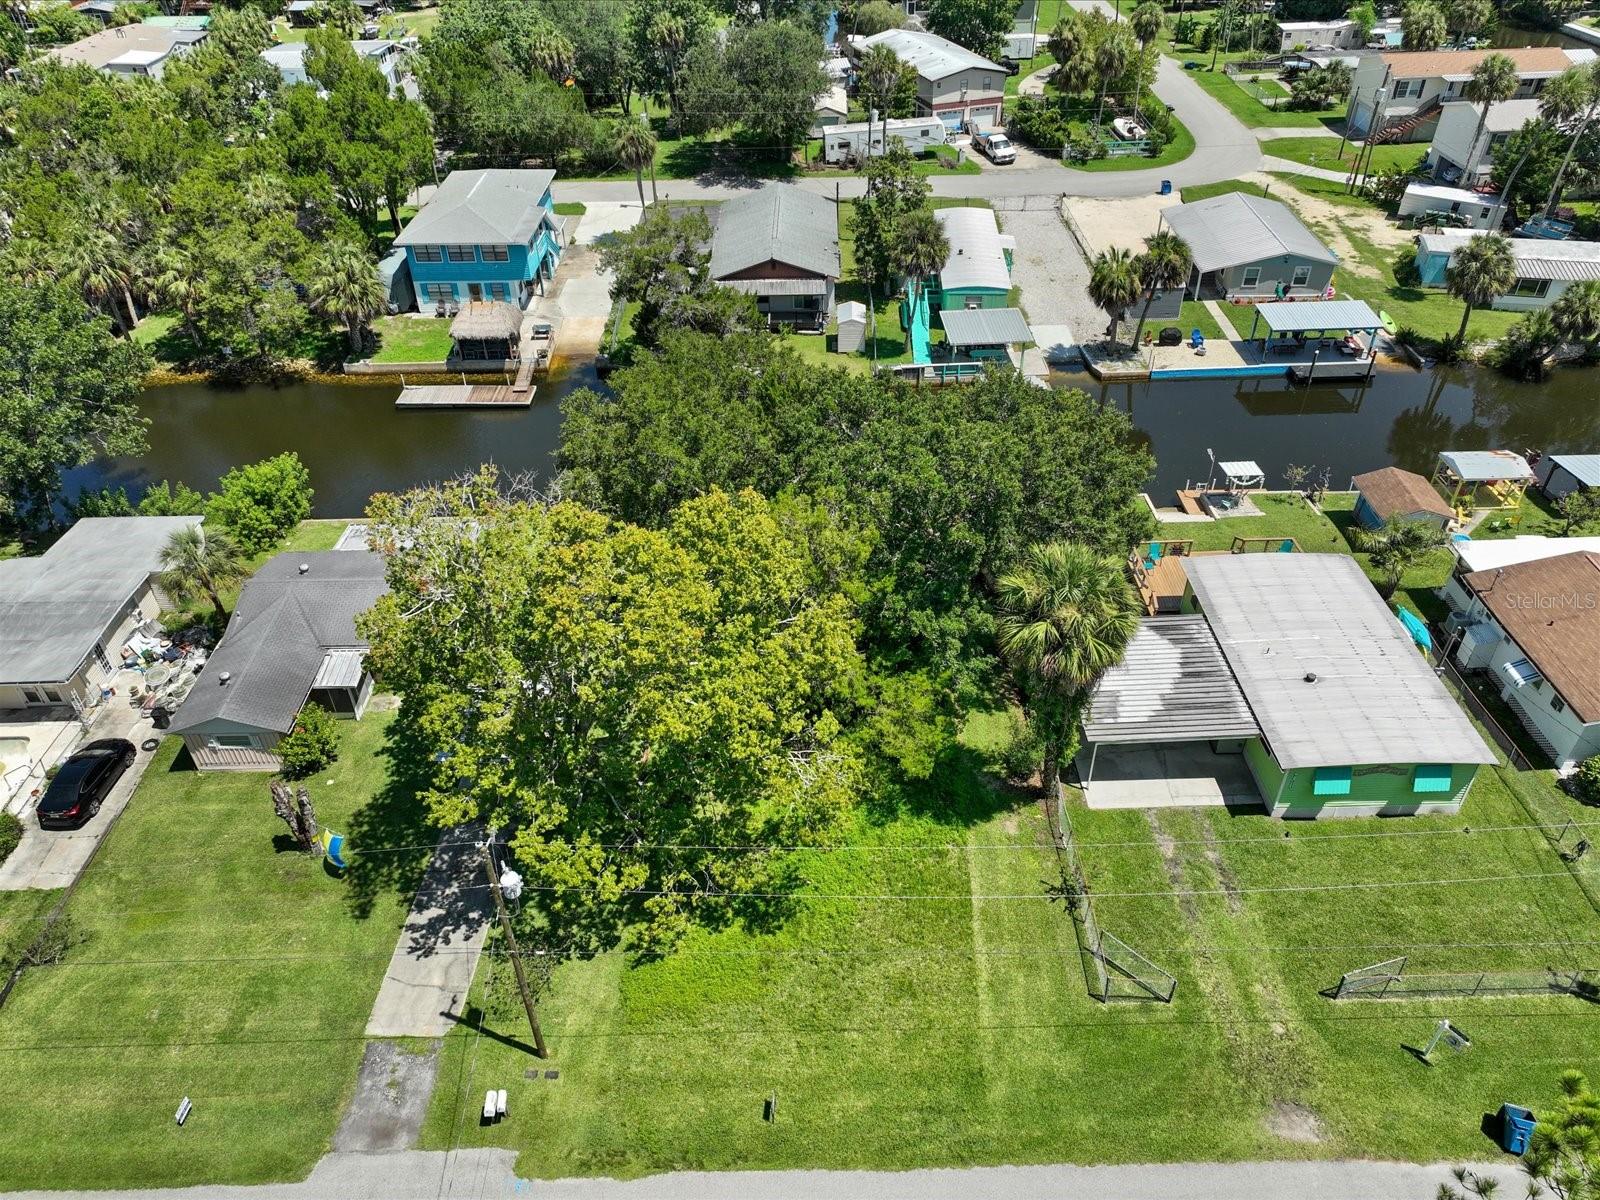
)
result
[(1294, 1123), (1333, 222), (1010, 823), (391, 1098), (1125, 221), (1172, 863), (1228, 881)]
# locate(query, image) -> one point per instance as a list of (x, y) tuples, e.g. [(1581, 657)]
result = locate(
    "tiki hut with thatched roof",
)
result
[(487, 330)]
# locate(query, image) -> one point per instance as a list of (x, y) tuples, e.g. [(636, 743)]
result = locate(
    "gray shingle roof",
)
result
[(777, 221), (1374, 698), (1231, 229), (282, 630), (930, 55), (493, 207), (984, 326), (1172, 685), (54, 608)]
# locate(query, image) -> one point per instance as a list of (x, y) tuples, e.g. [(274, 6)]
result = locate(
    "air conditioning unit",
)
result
[(1477, 645)]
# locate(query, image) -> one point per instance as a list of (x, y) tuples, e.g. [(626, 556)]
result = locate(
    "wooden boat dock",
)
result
[(464, 395)]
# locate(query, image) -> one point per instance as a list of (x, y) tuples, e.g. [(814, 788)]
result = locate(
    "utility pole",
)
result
[(511, 941)]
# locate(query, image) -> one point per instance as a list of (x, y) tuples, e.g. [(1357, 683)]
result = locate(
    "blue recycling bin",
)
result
[(1166, 188), (1516, 1127)]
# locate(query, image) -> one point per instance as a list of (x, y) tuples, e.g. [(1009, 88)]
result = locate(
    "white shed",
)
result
[(852, 327)]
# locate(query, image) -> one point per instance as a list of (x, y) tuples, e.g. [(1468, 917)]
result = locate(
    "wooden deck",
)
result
[(1164, 585), (464, 395)]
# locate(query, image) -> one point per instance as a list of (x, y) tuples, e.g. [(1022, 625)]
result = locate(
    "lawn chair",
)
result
[(1197, 341), (1287, 547), (1153, 557)]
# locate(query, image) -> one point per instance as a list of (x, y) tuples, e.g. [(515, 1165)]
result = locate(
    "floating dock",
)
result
[(464, 395)]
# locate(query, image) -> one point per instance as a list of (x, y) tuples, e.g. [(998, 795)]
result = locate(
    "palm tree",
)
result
[(1493, 80), (920, 249), (636, 148), (552, 53), (343, 284), (1146, 22), (670, 37), (95, 263), (1111, 59), (1398, 546), (196, 563), (1070, 42), (1114, 285), (1570, 101), (1480, 271), (1066, 614), (1576, 312), (881, 75), (1422, 26), (1165, 264), (176, 280)]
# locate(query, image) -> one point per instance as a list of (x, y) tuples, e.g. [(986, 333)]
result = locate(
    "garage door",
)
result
[(983, 118), (952, 119)]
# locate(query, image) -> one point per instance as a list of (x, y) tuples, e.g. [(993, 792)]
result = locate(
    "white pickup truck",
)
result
[(995, 146)]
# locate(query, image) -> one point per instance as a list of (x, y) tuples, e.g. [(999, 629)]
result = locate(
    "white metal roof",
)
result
[(1242, 468), (1172, 685), (977, 253), (931, 56), (1455, 195), (1331, 675), (984, 326), (1486, 466), (1535, 258), (1486, 555), (1585, 468), (852, 310), (1233, 228), (1300, 315)]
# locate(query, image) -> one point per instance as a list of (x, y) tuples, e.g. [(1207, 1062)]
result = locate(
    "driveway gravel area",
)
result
[(1050, 270)]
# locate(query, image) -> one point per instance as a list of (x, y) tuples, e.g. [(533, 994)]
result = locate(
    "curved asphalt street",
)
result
[(1223, 149)]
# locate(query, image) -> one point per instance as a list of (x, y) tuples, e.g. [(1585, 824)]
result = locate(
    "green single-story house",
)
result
[(1287, 683), (977, 274)]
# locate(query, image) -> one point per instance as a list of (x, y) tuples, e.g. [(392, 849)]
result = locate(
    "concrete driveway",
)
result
[(54, 858)]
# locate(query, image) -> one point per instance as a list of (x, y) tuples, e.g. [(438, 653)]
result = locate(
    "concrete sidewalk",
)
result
[(437, 953), (435, 1175)]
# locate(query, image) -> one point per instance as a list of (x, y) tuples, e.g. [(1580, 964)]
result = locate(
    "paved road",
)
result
[(1224, 149), (417, 1175)]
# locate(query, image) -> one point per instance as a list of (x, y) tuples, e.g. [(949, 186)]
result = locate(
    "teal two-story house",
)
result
[(484, 235)]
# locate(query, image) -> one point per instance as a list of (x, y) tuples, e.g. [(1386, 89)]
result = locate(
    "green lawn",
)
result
[(1534, 514), (897, 1033), (1326, 153), (1204, 191), (1252, 111), (217, 964), (571, 208), (1195, 315), (1178, 149), (411, 339)]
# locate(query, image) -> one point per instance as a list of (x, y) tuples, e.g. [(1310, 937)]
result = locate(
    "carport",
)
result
[(1166, 727)]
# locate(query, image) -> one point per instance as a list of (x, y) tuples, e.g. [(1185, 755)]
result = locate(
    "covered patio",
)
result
[(1303, 333), (1474, 479), (487, 331), (1166, 727)]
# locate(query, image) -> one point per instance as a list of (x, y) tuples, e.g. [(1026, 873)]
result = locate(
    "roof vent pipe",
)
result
[(304, 567), (224, 677), (1311, 676)]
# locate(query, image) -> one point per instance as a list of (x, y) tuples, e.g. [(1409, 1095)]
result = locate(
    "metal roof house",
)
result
[(1251, 247), (292, 639), (1545, 267), (289, 59), (780, 244), (65, 615), (1527, 626), (1320, 696), (977, 272), (484, 235), (954, 84), (1559, 475)]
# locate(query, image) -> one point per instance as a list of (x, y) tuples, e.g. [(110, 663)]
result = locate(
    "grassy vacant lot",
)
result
[(1325, 152), (217, 963), (956, 1027), (411, 339), (1253, 112)]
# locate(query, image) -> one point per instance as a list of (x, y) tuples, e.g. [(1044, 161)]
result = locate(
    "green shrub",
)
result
[(1584, 783), (168, 500), (312, 744), (1037, 122), (10, 835), (260, 503)]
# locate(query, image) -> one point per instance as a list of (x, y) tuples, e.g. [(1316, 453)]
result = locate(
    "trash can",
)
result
[(1516, 1126)]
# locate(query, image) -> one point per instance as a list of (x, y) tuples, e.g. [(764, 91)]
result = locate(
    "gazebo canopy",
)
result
[(488, 321), (1299, 316), (1486, 466)]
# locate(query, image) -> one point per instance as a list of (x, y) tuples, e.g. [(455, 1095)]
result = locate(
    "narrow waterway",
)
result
[(355, 443)]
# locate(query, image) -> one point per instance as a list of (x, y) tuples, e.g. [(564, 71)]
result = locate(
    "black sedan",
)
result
[(83, 783)]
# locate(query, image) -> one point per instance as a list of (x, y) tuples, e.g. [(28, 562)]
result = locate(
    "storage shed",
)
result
[(1390, 492), (1560, 475), (852, 327)]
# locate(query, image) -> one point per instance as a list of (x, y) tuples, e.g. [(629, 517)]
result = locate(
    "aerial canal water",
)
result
[(355, 443)]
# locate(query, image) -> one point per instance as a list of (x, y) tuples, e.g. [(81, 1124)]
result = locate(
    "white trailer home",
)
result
[(844, 143)]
